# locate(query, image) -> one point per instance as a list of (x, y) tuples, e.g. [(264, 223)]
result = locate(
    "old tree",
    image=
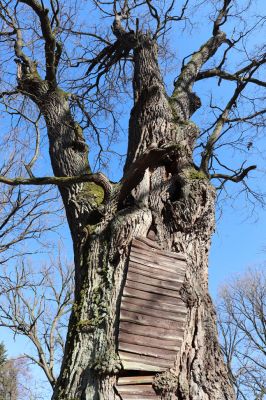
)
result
[(71, 77)]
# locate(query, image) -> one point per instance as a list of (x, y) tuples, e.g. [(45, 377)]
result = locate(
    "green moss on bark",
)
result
[(94, 193), (192, 173)]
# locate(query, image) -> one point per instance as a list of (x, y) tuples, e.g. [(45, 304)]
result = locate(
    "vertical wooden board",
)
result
[(151, 302)]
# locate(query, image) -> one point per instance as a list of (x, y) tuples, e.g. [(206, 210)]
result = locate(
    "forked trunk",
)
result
[(175, 203)]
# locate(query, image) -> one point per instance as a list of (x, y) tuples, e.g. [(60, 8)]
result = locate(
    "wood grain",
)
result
[(172, 345), (140, 241), (175, 316), (149, 361), (152, 312), (149, 321), (159, 260), (129, 380), (155, 297), (139, 365), (145, 350), (148, 331), (167, 266), (152, 289), (156, 273), (137, 389), (140, 397), (166, 284), (156, 305)]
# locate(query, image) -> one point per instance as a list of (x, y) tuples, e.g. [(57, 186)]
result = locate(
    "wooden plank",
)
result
[(150, 321), (127, 396), (130, 380), (140, 309), (149, 351), (148, 242), (136, 277), (160, 307), (132, 365), (155, 297), (140, 397), (158, 273), (149, 361), (154, 265), (152, 315), (152, 289), (164, 254), (149, 255), (180, 309), (171, 345), (149, 331), (138, 241), (149, 261), (137, 389)]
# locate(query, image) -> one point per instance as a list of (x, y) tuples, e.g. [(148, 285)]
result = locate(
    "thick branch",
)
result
[(229, 77), (52, 48), (97, 178), (152, 157), (185, 102), (190, 71), (218, 129), (237, 177)]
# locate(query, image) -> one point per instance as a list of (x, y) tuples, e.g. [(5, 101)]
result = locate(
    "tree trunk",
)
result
[(170, 197), (175, 201)]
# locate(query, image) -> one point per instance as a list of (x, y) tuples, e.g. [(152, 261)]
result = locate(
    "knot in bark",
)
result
[(166, 384)]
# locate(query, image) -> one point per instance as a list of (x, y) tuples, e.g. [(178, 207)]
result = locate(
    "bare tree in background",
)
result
[(35, 302), (75, 76), (16, 382), (242, 327), (26, 214)]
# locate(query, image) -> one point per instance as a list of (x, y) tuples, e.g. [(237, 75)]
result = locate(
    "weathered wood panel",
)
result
[(149, 332), (152, 246), (165, 353), (170, 344), (152, 317), (165, 275), (127, 396), (151, 306), (142, 319), (166, 284), (176, 316), (142, 294), (134, 380), (156, 363), (137, 389)]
